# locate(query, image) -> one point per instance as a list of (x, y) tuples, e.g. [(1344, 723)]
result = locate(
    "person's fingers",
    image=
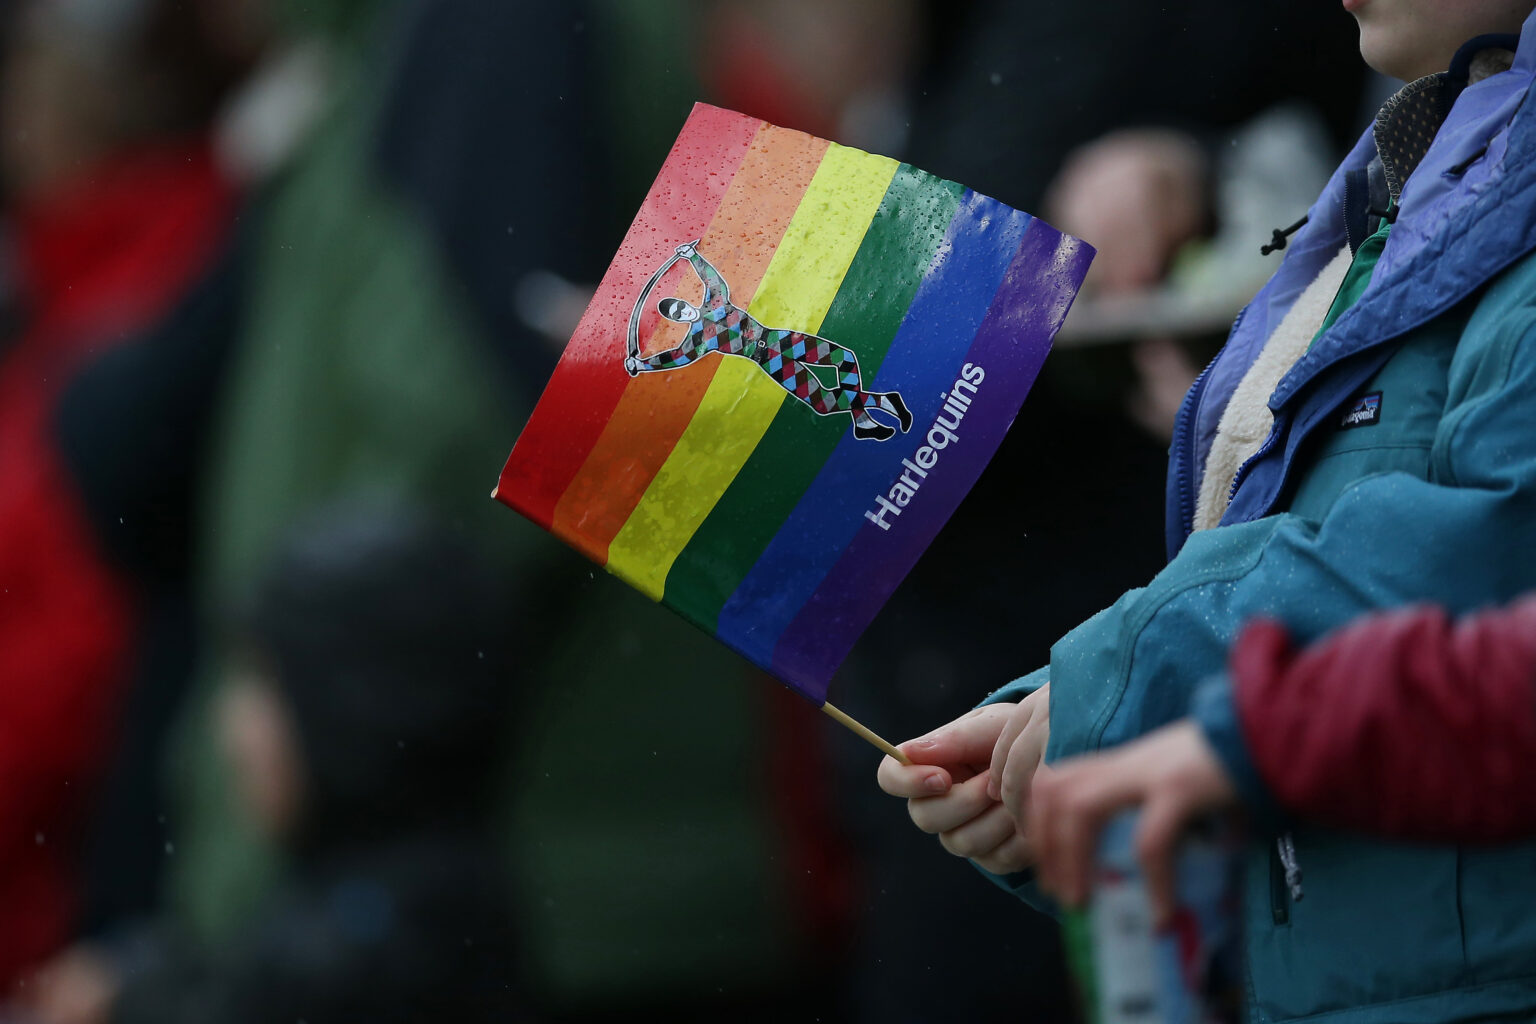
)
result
[(1019, 770), (1017, 719), (1071, 832), (1172, 772), (979, 836), (968, 740), (945, 756), (912, 780), (1087, 793), (945, 813), (1040, 812), (1030, 713), (1015, 854), (1074, 839), (1157, 834)]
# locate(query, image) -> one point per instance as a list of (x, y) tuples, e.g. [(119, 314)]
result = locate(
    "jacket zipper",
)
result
[(1284, 878), (1186, 463), (1279, 906), (1184, 426), (1242, 471), (1349, 237), (1274, 428)]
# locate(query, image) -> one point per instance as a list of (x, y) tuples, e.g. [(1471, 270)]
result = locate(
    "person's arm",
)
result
[(1400, 724), (1387, 539), (1403, 724), (671, 359), (717, 293)]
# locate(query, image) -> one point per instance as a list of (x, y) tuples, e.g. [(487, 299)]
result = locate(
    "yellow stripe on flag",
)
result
[(796, 291)]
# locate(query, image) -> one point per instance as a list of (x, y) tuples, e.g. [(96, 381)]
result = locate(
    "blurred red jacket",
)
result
[(97, 259), (1404, 724)]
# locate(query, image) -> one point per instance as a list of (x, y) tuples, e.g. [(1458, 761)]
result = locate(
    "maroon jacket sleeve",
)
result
[(1403, 724)]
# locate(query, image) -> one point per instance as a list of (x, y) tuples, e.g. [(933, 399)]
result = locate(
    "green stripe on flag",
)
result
[(801, 284), (891, 262)]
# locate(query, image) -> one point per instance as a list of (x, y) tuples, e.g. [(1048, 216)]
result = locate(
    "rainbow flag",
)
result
[(799, 362)]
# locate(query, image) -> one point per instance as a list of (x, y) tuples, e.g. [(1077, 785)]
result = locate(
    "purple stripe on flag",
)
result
[(940, 325), (1009, 347)]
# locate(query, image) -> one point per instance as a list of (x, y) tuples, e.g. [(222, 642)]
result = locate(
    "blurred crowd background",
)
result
[(297, 724)]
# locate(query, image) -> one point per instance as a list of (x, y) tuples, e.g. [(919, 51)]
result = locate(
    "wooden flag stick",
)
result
[(865, 733)]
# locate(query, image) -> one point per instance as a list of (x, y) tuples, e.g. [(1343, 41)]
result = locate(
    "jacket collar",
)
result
[(1444, 244), (1467, 212)]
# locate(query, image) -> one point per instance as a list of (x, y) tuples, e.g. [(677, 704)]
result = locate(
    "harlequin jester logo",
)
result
[(785, 355)]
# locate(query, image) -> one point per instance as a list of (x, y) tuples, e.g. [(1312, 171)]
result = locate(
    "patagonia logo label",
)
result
[(1366, 412)]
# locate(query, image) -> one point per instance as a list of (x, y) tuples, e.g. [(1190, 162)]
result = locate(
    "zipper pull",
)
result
[(1286, 847)]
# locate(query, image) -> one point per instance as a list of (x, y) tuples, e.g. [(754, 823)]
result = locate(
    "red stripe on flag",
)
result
[(590, 378), (657, 407)]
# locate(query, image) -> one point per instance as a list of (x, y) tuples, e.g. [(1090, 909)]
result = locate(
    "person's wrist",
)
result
[(1215, 712)]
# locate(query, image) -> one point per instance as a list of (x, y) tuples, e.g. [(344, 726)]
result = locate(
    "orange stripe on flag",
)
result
[(657, 407), (590, 378)]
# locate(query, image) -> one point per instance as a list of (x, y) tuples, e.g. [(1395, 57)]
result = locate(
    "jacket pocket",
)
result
[(1388, 426), (1497, 888), (1379, 922)]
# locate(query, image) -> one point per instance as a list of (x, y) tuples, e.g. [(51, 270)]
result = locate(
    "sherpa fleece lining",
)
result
[(1247, 419)]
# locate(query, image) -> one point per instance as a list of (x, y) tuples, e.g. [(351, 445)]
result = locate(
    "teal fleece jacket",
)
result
[(1433, 499)]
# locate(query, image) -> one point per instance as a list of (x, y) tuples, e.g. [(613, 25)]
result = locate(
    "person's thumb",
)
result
[(965, 741)]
